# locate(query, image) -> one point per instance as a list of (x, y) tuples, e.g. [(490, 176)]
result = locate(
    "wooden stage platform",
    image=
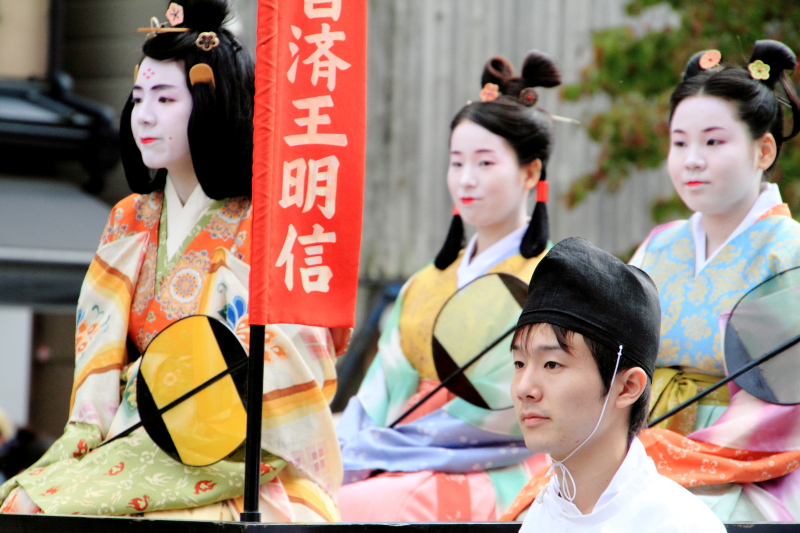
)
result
[(87, 524)]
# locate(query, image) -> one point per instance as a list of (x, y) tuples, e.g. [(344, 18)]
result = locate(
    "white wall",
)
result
[(16, 328)]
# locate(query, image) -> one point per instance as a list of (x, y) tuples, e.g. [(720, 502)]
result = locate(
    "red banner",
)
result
[(308, 164)]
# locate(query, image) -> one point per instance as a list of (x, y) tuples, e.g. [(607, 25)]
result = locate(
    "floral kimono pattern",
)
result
[(449, 460), (132, 292)]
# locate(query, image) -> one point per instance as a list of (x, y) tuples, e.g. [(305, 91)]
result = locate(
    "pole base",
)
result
[(250, 516)]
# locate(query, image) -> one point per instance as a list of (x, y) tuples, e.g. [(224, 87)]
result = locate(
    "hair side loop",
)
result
[(777, 56)]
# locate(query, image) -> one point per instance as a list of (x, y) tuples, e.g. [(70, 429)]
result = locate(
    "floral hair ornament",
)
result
[(490, 92), (202, 73), (207, 41), (528, 97), (758, 70), (156, 27), (710, 59), (175, 14)]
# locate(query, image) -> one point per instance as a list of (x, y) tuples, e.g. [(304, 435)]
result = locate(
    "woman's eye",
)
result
[(136, 101), (714, 142), (164, 99), (678, 144), (456, 164), (518, 364), (551, 365), (486, 163)]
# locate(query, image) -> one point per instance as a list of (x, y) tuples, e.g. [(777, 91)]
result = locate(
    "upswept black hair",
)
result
[(526, 127), (758, 104), (606, 358), (221, 123)]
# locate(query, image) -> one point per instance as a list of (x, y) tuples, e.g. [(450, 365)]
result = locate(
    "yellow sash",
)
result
[(671, 387)]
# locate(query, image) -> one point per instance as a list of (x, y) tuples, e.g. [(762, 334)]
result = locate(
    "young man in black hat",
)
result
[(584, 353)]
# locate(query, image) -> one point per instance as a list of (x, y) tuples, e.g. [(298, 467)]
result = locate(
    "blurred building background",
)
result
[(425, 62)]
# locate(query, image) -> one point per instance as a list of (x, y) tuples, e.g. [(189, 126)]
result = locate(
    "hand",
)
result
[(341, 339)]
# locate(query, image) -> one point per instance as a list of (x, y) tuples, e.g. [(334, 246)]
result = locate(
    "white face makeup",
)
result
[(160, 117), (486, 181), (713, 161)]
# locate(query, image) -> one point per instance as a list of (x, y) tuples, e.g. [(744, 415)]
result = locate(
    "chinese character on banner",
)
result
[(317, 276), (310, 131)]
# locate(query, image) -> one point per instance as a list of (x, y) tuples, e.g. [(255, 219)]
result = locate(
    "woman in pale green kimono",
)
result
[(180, 247)]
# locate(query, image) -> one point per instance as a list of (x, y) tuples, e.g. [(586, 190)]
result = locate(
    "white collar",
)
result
[(506, 247), (769, 197), (181, 219), (633, 475)]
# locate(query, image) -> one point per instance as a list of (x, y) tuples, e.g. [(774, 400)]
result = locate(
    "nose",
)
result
[(143, 112), (694, 158), (467, 177), (528, 385)]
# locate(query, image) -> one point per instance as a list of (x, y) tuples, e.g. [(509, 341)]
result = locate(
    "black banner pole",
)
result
[(255, 392)]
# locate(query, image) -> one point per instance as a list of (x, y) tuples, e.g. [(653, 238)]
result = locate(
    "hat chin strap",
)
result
[(569, 491)]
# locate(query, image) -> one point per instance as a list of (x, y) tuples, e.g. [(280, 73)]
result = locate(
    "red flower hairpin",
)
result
[(528, 96)]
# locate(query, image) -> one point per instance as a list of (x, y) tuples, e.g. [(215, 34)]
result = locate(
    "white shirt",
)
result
[(638, 499), (506, 247), (770, 197), (181, 219)]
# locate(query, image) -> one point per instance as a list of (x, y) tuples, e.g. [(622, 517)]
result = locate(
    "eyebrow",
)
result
[(706, 130), (482, 150), (541, 348), (156, 87)]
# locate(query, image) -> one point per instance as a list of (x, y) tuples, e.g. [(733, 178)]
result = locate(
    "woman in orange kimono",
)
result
[(178, 247)]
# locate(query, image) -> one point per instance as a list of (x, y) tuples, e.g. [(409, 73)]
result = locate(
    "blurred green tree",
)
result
[(638, 73)]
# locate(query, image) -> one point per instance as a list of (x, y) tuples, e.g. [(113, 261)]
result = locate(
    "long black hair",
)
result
[(528, 129), (220, 127)]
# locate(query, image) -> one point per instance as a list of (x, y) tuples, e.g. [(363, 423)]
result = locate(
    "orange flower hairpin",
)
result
[(490, 92), (710, 59)]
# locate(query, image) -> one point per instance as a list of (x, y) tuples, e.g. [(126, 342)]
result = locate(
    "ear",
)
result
[(634, 381), (531, 173), (767, 151)]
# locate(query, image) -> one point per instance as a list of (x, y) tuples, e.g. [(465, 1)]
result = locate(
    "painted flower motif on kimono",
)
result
[(143, 339), (235, 315), (237, 242), (180, 291), (758, 70), (145, 285), (129, 396), (148, 208), (271, 346), (88, 324), (114, 230), (225, 223), (234, 210), (695, 327)]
